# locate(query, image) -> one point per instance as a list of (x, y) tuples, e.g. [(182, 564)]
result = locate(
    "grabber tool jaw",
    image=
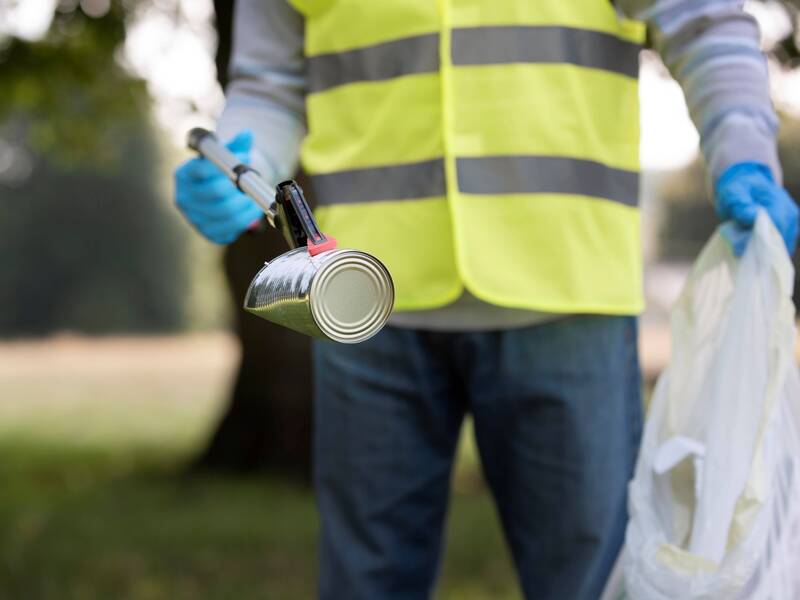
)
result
[(296, 221)]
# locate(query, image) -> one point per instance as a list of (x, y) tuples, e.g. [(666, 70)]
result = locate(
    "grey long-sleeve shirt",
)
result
[(711, 47)]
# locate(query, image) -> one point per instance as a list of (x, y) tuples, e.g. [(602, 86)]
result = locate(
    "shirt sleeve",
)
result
[(267, 85), (711, 47)]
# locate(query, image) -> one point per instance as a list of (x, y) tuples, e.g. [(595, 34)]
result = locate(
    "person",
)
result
[(487, 152)]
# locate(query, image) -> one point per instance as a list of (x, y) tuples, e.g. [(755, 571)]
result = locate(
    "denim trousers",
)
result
[(557, 418)]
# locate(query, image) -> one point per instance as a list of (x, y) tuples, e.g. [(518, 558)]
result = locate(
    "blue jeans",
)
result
[(557, 417)]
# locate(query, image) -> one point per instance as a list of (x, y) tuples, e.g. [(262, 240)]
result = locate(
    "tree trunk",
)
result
[(267, 424)]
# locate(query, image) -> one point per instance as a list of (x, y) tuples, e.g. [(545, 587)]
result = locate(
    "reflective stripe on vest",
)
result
[(485, 176), (524, 44), (475, 46), (397, 182), (419, 54), (546, 175), (470, 143)]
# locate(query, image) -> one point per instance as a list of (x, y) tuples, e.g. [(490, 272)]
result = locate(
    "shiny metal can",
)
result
[(340, 295)]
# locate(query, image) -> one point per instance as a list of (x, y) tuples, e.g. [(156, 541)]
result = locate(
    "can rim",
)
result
[(374, 320)]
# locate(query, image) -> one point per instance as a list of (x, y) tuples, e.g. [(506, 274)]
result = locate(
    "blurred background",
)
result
[(147, 449)]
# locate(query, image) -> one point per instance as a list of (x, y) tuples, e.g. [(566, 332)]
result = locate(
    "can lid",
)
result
[(352, 296)]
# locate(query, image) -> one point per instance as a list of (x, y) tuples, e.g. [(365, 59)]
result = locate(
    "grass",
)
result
[(93, 502)]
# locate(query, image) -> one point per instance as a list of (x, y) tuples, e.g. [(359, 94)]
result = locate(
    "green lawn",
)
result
[(93, 502)]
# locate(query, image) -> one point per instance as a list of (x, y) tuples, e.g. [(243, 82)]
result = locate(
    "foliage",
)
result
[(77, 99), (92, 250), (90, 242), (786, 50)]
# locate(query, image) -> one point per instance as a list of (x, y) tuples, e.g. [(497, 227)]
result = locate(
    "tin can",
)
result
[(340, 295)]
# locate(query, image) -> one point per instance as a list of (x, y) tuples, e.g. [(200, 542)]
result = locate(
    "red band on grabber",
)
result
[(328, 244)]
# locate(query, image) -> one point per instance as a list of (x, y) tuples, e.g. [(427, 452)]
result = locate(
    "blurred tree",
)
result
[(77, 100), (787, 49), (85, 236), (267, 423), (90, 250)]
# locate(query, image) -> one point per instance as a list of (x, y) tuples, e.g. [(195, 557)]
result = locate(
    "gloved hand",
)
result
[(210, 201), (740, 191)]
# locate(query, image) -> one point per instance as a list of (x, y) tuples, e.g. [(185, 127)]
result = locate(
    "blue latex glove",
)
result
[(740, 191), (210, 201)]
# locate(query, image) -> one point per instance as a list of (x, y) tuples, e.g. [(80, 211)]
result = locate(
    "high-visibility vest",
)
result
[(486, 144)]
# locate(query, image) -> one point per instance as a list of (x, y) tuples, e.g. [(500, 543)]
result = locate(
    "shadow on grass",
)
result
[(88, 523)]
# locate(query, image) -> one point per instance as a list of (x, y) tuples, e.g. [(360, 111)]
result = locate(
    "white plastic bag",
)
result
[(715, 499)]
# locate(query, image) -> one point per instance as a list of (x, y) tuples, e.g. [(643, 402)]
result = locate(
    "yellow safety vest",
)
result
[(486, 144)]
